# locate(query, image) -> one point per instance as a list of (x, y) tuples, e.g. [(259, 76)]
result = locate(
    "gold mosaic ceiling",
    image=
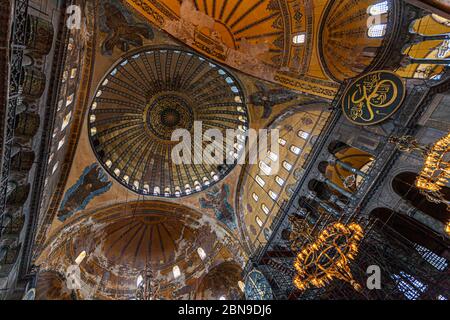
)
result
[(147, 96)]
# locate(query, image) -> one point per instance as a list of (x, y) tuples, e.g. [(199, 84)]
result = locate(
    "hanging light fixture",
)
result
[(147, 285), (435, 173), (328, 257)]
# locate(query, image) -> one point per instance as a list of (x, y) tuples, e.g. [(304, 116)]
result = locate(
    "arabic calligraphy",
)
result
[(373, 98)]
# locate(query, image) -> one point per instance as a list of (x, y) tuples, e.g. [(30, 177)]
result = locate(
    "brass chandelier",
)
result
[(329, 257), (435, 173)]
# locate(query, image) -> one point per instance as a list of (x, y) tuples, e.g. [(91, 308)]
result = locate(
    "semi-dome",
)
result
[(119, 241), (144, 99)]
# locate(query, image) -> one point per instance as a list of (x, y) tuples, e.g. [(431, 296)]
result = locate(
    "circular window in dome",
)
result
[(149, 95)]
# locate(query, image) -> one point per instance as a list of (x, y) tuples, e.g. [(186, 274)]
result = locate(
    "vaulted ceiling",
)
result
[(122, 240), (231, 64), (276, 40)]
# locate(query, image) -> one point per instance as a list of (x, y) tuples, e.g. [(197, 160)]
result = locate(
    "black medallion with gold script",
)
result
[(373, 98)]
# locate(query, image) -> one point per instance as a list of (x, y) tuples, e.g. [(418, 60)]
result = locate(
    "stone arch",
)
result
[(403, 185), (390, 221), (221, 281), (320, 189), (336, 146)]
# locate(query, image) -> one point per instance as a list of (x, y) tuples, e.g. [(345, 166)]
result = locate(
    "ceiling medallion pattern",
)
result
[(167, 112), (147, 96)]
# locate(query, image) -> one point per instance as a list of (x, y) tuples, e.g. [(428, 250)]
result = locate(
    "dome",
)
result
[(144, 99), (347, 46), (156, 233), (222, 281)]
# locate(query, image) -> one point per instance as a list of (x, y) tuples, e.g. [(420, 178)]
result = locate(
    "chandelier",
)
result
[(328, 257), (435, 173), (147, 286)]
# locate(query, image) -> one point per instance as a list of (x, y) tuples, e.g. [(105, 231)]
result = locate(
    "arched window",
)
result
[(303, 134), (287, 165), (139, 280), (432, 258), (255, 197), (265, 168), (259, 222), (299, 38), (296, 150), (241, 286), (260, 181), (61, 142), (73, 73), (167, 192), (265, 209), (69, 100), (176, 272), (50, 158), (55, 167), (80, 257), (273, 156), (273, 195), (409, 286), (66, 120), (379, 8), (377, 31), (201, 253), (280, 181)]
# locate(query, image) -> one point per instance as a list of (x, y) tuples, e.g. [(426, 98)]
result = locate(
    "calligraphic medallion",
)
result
[(373, 98)]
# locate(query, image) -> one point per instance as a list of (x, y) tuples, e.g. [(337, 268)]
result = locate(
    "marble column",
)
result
[(348, 167), (337, 188), (324, 205), (408, 209)]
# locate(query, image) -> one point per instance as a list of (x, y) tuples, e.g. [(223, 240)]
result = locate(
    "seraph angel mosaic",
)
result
[(92, 183), (217, 199)]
